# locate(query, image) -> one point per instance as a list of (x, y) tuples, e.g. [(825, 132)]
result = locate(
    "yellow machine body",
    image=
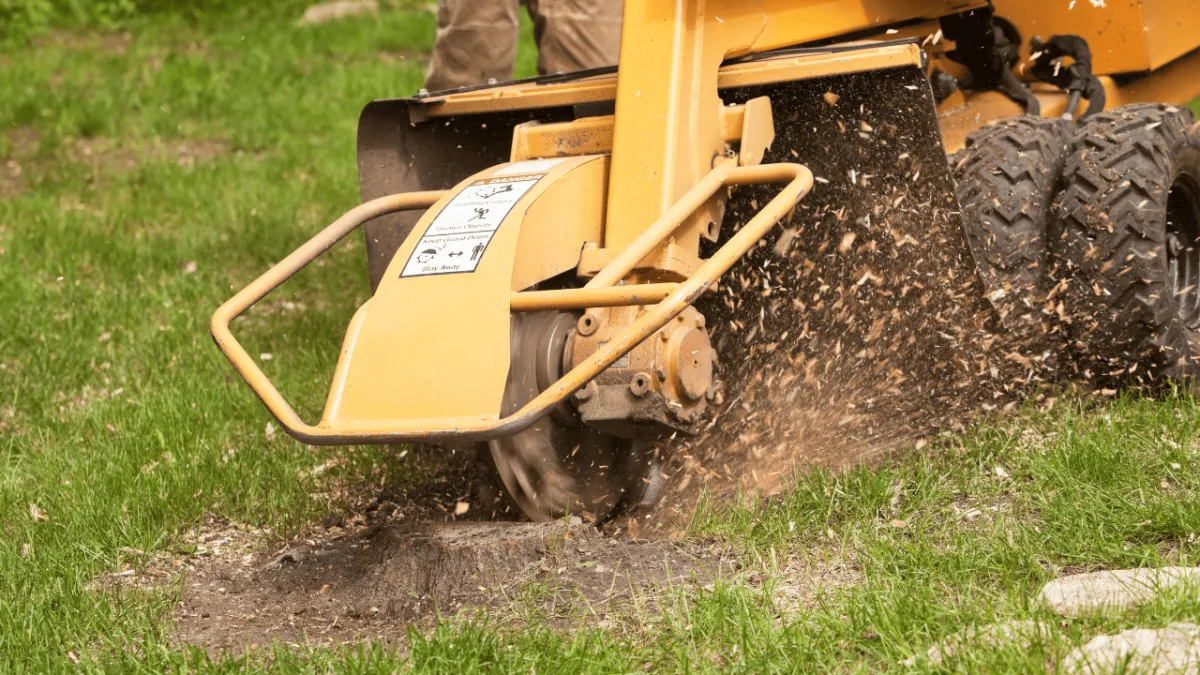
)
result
[(1126, 36), (414, 357), (622, 202), (1143, 51)]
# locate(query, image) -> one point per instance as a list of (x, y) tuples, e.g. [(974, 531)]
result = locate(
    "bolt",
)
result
[(700, 321), (588, 323), (662, 374), (662, 335), (640, 384)]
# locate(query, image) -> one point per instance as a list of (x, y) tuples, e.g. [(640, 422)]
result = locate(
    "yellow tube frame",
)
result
[(672, 300)]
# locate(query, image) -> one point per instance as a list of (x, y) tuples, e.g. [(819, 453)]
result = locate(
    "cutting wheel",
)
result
[(561, 466)]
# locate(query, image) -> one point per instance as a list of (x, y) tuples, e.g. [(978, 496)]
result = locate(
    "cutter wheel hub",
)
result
[(689, 361), (560, 465), (662, 387)]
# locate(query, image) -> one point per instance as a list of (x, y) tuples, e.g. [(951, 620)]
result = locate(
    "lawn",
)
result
[(150, 170)]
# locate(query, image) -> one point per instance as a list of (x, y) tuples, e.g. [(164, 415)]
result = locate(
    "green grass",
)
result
[(225, 142)]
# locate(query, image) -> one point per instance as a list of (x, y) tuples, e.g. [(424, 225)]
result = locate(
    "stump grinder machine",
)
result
[(573, 272)]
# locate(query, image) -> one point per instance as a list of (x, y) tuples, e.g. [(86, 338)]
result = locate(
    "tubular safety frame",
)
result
[(672, 299)]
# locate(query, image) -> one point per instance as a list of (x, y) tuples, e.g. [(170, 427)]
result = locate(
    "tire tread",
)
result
[(1110, 235)]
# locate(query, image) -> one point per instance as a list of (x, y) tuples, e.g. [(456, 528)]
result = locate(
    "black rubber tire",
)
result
[(1007, 177), (1130, 172)]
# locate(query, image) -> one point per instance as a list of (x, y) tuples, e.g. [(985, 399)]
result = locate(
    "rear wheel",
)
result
[(1007, 177), (561, 466), (1128, 232)]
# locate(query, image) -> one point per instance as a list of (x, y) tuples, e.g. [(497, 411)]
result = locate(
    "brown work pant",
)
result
[(477, 39)]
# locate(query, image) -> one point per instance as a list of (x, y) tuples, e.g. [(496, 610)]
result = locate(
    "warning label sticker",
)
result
[(458, 237)]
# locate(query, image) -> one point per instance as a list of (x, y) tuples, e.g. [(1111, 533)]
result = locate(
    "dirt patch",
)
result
[(372, 580), (11, 183), (102, 156), (809, 578), (107, 154), (23, 143), (421, 537), (109, 43), (214, 538), (8, 422)]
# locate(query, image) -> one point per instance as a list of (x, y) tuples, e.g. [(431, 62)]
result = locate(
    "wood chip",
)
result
[(36, 514)]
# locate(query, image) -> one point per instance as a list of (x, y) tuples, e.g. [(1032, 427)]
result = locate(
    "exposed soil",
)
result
[(371, 578), (110, 43), (23, 143), (10, 179), (102, 156), (110, 154), (407, 553), (807, 579), (213, 539)]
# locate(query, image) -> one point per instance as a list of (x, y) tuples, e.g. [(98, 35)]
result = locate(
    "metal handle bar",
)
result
[(799, 182)]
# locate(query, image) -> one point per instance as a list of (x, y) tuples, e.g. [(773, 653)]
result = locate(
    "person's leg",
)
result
[(476, 42), (576, 34)]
